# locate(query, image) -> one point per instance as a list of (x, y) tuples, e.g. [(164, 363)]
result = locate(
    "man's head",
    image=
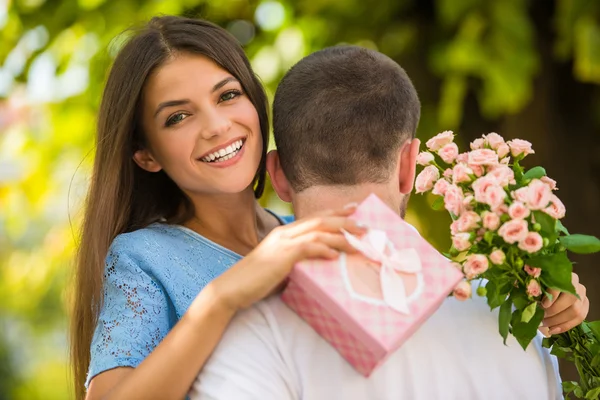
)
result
[(344, 116)]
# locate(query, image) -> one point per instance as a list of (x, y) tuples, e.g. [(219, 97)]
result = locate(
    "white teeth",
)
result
[(224, 154)]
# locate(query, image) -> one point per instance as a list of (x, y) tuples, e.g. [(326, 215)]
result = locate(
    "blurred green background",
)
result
[(527, 69)]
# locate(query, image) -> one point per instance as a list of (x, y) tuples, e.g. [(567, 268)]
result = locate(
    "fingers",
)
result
[(567, 311), (335, 242), (563, 301), (569, 318), (548, 302)]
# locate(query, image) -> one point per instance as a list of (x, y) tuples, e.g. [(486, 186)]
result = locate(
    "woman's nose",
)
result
[(214, 124)]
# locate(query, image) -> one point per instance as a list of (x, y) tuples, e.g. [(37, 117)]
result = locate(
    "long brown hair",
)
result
[(122, 197)]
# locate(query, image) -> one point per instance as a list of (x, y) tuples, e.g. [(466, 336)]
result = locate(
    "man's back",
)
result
[(268, 352)]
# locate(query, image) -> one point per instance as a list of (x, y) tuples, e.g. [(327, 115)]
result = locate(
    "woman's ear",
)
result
[(278, 180), (408, 166), (146, 160)]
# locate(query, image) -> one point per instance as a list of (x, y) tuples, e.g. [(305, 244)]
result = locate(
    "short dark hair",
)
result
[(340, 116)]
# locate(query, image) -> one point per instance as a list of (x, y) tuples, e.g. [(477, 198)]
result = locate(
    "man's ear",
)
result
[(408, 165), (280, 183), (146, 160)]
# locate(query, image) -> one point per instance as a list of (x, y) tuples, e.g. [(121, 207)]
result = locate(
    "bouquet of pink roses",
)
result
[(506, 229)]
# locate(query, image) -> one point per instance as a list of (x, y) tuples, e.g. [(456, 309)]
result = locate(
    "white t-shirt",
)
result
[(269, 353)]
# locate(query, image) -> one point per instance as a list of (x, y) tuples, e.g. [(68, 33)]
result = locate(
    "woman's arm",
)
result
[(169, 371)]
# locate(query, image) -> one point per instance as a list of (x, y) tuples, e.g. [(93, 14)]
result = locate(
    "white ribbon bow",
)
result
[(376, 246)]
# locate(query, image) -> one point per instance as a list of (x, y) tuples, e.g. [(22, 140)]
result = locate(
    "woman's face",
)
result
[(200, 126)]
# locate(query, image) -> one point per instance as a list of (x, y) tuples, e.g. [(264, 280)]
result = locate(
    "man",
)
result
[(344, 125)]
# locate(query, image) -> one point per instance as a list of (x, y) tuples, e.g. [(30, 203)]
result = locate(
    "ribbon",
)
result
[(376, 246)]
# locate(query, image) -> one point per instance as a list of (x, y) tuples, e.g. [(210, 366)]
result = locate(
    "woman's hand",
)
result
[(565, 311), (265, 268)]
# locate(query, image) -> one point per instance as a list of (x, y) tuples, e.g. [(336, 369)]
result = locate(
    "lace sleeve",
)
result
[(134, 317)]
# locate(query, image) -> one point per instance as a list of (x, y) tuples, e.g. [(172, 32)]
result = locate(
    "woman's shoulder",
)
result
[(158, 243)]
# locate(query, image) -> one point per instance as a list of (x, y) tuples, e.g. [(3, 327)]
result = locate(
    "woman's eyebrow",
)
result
[(170, 103), (223, 83)]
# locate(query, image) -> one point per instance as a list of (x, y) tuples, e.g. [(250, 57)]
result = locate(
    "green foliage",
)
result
[(581, 244)]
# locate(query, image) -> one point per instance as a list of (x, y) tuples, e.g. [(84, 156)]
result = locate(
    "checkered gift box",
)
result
[(367, 304)]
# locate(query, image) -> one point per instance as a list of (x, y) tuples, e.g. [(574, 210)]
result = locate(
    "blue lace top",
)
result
[(151, 277)]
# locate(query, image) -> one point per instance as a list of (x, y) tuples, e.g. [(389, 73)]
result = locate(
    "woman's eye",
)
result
[(232, 94), (175, 119)]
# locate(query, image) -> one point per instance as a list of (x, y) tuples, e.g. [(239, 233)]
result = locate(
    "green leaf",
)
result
[(578, 392), (593, 394), (535, 173), (524, 332), (519, 299), (581, 244), (595, 328), (556, 271), (547, 222), (561, 227), (438, 203), (569, 386), (595, 361), (496, 295), (504, 319), (528, 312)]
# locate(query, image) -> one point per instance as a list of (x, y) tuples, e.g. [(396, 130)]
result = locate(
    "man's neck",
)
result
[(319, 198)]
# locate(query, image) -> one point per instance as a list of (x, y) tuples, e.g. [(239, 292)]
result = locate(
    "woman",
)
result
[(171, 211)]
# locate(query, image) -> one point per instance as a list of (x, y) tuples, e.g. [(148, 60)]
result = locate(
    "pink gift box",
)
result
[(367, 305)]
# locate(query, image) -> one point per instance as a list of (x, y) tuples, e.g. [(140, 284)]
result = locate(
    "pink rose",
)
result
[(494, 196), (491, 221), (453, 199), (556, 209), (477, 169), (425, 158), (532, 271), (462, 291), (476, 264), (462, 158), (468, 221), (497, 257), (481, 185), (505, 161), (532, 242), (454, 228), (467, 203), (513, 231), (440, 187), (461, 173), (503, 151), (461, 241), (538, 195), (494, 140), (533, 288), (502, 209), (440, 140), (550, 182), (483, 157), (521, 194), (503, 175), (448, 153), (517, 210), (518, 147), (477, 144), (427, 178), (448, 173)]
